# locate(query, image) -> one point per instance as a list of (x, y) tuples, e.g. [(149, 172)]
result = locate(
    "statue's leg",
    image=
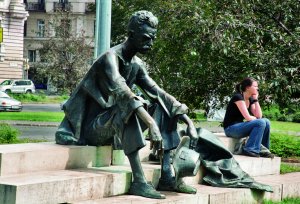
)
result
[(166, 171), (137, 171), (139, 186), (167, 180)]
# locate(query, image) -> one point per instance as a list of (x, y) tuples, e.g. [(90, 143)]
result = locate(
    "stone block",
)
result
[(259, 166), (103, 156), (62, 186), (33, 157), (152, 171), (290, 183), (119, 158)]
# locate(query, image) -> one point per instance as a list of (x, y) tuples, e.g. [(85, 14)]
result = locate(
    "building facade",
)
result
[(12, 18), (37, 27)]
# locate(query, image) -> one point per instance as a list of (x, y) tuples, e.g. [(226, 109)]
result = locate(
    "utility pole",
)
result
[(103, 26)]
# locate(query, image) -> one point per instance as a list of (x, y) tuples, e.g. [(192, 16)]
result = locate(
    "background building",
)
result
[(12, 17)]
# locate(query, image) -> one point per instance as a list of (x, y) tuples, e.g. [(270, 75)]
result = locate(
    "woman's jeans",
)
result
[(258, 131)]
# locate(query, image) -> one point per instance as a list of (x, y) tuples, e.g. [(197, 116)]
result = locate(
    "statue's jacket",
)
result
[(105, 95)]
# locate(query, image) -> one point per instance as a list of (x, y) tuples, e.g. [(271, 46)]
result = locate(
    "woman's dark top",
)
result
[(233, 114)]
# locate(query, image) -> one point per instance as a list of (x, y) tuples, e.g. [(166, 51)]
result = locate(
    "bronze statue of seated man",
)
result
[(103, 109)]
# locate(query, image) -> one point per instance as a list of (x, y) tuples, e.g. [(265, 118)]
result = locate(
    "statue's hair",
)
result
[(140, 18)]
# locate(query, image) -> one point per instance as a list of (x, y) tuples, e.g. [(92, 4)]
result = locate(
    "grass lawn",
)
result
[(33, 116), (284, 201), (285, 126), (286, 168)]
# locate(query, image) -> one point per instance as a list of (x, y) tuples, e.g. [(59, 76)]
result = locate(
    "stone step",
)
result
[(284, 186), (253, 166), (65, 186), (227, 141), (33, 157)]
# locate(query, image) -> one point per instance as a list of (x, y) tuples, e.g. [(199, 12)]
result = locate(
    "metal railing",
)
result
[(35, 7), (62, 6)]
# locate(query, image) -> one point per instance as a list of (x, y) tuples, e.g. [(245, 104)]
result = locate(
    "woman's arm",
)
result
[(243, 109), (255, 107)]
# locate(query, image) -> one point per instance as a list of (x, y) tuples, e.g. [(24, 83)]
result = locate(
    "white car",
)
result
[(9, 104), (17, 86)]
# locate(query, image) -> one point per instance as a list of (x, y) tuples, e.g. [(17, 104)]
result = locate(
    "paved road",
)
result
[(37, 132), (41, 108)]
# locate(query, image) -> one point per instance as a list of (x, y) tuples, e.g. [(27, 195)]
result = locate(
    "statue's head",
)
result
[(142, 30)]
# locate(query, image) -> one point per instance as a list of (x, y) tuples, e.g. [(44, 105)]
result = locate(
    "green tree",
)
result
[(204, 48), (65, 56)]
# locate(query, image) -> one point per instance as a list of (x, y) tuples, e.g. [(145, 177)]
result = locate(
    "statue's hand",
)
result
[(155, 137), (192, 133)]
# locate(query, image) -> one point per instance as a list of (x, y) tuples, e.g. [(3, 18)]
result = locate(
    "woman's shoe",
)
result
[(267, 155), (250, 154)]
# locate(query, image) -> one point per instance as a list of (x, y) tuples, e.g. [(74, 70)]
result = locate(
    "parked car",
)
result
[(9, 104), (17, 86)]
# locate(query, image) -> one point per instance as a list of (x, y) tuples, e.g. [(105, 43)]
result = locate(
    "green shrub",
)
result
[(8, 134), (282, 118), (29, 97), (275, 113), (271, 112), (284, 145), (296, 117), (193, 115), (270, 116)]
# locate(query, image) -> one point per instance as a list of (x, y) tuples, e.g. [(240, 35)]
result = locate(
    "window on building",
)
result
[(32, 55), (40, 28)]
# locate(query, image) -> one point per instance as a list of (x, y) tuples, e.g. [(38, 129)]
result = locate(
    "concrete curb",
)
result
[(30, 123)]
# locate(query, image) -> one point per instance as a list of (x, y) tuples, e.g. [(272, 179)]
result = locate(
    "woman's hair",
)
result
[(241, 87)]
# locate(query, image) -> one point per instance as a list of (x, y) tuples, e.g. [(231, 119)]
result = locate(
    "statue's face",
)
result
[(143, 38)]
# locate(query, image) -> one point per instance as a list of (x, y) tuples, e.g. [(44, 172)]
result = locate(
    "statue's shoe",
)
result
[(166, 184), (145, 190), (64, 139), (183, 188), (171, 185)]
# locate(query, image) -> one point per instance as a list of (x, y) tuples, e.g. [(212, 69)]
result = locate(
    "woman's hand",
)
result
[(255, 96), (252, 118)]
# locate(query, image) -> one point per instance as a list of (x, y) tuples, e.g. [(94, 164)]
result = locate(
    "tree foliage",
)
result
[(204, 48), (65, 56)]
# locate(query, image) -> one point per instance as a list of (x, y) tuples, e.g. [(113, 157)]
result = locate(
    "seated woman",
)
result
[(244, 105)]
